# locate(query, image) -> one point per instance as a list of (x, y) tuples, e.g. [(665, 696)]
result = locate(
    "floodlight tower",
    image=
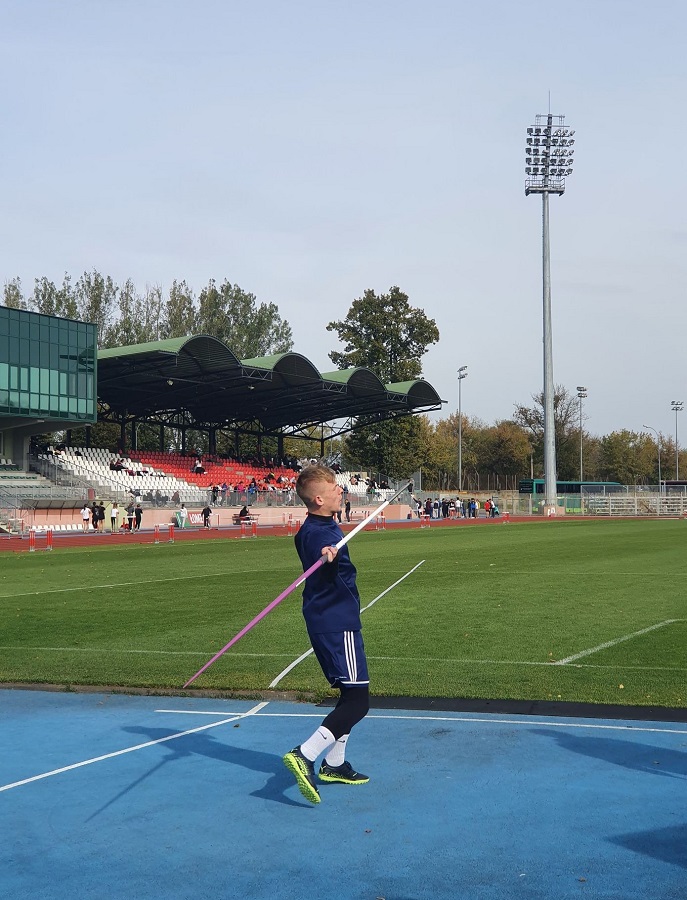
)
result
[(677, 406), (462, 373), (581, 394), (549, 161)]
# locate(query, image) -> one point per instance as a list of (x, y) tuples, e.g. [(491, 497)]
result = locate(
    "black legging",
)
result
[(351, 708)]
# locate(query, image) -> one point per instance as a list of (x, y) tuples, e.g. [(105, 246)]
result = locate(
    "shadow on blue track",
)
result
[(207, 745), (665, 844), (628, 754)]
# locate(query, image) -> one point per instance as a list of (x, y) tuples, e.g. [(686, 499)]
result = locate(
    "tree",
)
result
[(628, 457), (139, 317), (506, 451), (12, 296), (233, 315), (180, 311), (96, 297), (566, 428), (389, 336), (386, 334), (53, 301), (395, 449)]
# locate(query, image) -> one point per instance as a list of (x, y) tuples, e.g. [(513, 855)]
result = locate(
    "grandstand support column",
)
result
[(134, 434), (280, 446), (212, 441), (162, 439), (122, 436), (87, 431)]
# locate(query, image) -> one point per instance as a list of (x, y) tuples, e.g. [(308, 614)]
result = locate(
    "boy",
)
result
[(331, 608)]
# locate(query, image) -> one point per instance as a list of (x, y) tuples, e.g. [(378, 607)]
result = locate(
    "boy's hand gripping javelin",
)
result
[(292, 587)]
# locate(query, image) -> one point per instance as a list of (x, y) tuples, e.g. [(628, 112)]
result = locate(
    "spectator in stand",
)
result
[(225, 488), (175, 498), (198, 467), (215, 494)]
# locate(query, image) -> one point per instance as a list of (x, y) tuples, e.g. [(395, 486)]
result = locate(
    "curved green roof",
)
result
[(201, 377)]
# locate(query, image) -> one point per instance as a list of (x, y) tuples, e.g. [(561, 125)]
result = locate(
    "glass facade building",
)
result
[(47, 367)]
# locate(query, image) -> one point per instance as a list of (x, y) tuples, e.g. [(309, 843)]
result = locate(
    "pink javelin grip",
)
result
[(292, 587)]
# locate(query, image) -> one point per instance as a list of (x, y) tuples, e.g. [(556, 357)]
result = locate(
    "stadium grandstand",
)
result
[(54, 379)]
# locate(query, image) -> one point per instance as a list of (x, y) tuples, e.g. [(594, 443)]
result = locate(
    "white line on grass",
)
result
[(402, 659), (171, 737), (151, 652), (485, 719), (620, 640), (94, 587), (479, 572), (307, 653)]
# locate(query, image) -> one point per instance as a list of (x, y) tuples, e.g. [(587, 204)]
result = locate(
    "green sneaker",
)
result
[(344, 774), (304, 773)]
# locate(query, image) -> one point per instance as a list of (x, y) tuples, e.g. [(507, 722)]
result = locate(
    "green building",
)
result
[(48, 377)]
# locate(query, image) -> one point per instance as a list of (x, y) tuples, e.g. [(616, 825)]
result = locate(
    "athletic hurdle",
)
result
[(380, 523), (243, 528), (157, 534), (170, 539), (425, 521), (32, 540), (253, 529)]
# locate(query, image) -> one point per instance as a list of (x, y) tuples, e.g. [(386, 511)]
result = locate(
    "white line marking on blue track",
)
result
[(620, 640), (171, 737), (485, 719)]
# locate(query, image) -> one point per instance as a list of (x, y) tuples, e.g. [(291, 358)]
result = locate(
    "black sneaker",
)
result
[(304, 773), (344, 774)]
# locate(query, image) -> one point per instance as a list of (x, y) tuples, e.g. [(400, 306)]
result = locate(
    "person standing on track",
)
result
[(331, 608)]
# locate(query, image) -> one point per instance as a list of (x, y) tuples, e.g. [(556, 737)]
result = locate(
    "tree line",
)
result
[(124, 315), (382, 331)]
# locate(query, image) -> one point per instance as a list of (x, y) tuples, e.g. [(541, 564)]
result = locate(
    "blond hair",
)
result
[(309, 478)]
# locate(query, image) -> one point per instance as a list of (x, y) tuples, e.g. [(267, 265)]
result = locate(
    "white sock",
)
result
[(317, 743), (337, 754)]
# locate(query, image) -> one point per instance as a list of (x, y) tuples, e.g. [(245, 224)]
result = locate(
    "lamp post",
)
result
[(462, 373), (658, 444), (581, 394), (548, 162), (677, 406)]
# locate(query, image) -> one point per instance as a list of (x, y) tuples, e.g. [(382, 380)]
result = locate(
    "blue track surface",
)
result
[(459, 806)]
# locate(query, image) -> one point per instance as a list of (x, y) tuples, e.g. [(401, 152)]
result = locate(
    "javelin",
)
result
[(292, 587)]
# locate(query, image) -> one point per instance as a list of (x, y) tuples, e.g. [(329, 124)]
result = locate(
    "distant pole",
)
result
[(677, 406), (462, 373), (549, 161), (581, 394), (658, 444)]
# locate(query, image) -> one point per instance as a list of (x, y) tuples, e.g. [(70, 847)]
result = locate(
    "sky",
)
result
[(310, 150)]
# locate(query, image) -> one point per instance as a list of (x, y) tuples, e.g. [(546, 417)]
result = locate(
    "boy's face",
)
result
[(328, 497)]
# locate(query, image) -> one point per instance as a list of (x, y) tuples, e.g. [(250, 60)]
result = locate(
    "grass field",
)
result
[(489, 614)]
